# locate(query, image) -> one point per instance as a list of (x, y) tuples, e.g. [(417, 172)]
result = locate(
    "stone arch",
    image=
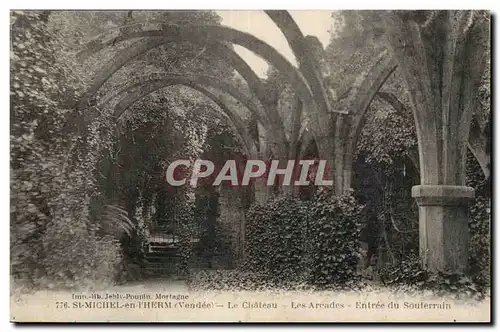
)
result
[(189, 79), (165, 33), (359, 101), (137, 91), (348, 127), (221, 50), (227, 53), (255, 84), (363, 92), (274, 134), (305, 57), (476, 142)]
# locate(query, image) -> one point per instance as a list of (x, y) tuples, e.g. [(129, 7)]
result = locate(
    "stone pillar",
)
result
[(442, 76), (232, 219), (443, 226)]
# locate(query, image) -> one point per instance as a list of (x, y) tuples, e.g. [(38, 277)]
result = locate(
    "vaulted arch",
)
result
[(188, 79), (149, 84), (135, 92), (227, 53), (152, 82), (476, 143), (163, 33), (348, 127)]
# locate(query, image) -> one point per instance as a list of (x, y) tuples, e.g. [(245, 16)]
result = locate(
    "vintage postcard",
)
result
[(250, 166)]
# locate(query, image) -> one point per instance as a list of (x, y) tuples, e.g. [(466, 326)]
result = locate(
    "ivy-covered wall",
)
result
[(314, 242)]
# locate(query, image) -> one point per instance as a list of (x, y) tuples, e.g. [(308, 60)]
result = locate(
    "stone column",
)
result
[(232, 218), (442, 76), (443, 226)]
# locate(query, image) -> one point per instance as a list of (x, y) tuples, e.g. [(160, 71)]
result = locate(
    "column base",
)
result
[(443, 226)]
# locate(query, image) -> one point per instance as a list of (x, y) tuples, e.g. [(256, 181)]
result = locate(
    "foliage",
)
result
[(479, 224), (315, 242), (52, 161), (186, 231), (215, 239), (334, 232), (275, 239), (409, 273), (354, 43), (387, 134)]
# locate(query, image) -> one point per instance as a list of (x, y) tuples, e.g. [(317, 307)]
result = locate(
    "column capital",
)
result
[(428, 195)]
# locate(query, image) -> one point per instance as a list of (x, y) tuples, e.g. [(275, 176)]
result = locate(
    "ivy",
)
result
[(335, 229), (314, 242)]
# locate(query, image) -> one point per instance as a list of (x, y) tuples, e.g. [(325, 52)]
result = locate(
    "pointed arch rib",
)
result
[(364, 92), (255, 84), (189, 80), (476, 142), (165, 33), (348, 128), (306, 59), (134, 93)]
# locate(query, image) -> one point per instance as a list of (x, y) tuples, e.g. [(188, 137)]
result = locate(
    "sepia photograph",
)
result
[(250, 166)]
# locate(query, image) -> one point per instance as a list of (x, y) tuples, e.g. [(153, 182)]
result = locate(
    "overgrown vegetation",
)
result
[(88, 188), (315, 242), (53, 155)]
